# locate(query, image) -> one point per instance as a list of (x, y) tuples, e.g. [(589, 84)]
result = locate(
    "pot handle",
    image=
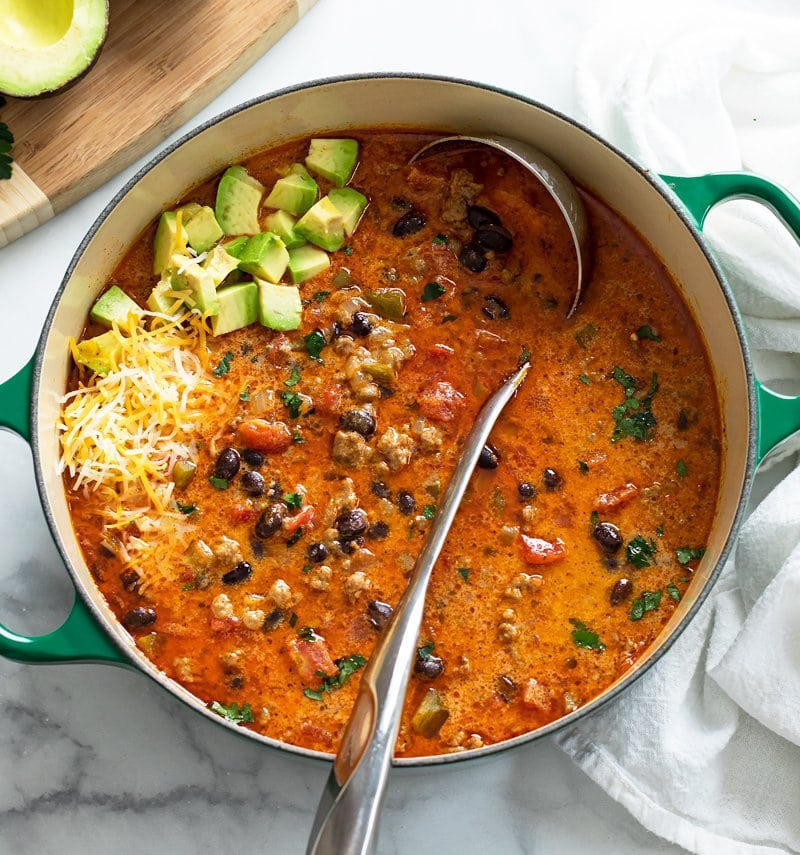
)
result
[(778, 415), (79, 638)]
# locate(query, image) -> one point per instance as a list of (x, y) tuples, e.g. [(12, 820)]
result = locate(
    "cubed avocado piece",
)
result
[(238, 200), (99, 354), (235, 246), (238, 307), (350, 204), (170, 238), (293, 193), (199, 282), (334, 159), (264, 256), (115, 306), (282, 223), (202, 228), (162, 298), (322, 225), (219, 263), (279, 306), (306, 261)]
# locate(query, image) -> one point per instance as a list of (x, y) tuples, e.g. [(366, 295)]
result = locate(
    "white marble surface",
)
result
[(96, 759)]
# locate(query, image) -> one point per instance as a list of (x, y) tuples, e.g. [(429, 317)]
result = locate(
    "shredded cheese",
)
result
[(121, 434)]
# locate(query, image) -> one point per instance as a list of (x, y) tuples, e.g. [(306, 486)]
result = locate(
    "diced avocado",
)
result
[(238, 200), (238, 307), (169, 240), (235, 246), (350, 204), (306, 261), (264, 256), (323, 225), (334, 159), (279, 306), (163, 298), (199, 282), (219, 263), (298, 169), (99, 354), (115, 306), (293, 193), (202, 228), (282, 223)]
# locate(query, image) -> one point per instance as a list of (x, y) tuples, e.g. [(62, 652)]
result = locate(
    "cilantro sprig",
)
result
[(233, 712), (347, 666), (641, 552), (584, 637), (633, 416)]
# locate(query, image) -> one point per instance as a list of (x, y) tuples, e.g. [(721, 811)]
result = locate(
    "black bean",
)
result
[(385, 391), (336, 330), (406, 503), (430, 667), (253, 483), (478, 217), (378, 531), (234, 681), (227, 464), (608, 536), (621, 591), (472, 257), (358, 420), (270, 520), (380, 490), (130, 579), (551, 478), (139, 618), (378, 613), (240, 572), (412, 221), (351, 524), (506, 688), (253, 458), (494, 308), (361, 324), (273, 620), (526, 490), (316, 552), (489, 457), (496, 237)]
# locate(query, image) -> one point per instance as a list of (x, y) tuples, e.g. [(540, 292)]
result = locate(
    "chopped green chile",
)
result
[(183, 472), (388, 302), (431, 714)]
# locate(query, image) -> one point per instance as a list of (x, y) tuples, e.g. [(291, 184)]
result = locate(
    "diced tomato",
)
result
[(304, 519), (224, 625), (264, 436), (536, 550), (316, 733), (440, 402), (331, 400), (616, 498), (535, 696), (441, 352), (243, 513), (311, 657)]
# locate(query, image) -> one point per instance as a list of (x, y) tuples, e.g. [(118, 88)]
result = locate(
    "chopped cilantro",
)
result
[(306, 568), (314, 342), (448, 318), (680, 469), (307, 633), (293, 402), (254, 359), (426, 651), (224, 365), (584, 637), (347, 666), (641, 553), (320, 296), (188, 586), (295, 537), (245, 394), (440, 240), (660, 531), (647, 602), (294, 378), (293, 500), (673, 591), (235, 713), (348, 250), (685, 554), (429, 512), (584, 378), (583, 466), (633, 416), (524, 356), (297, 437), (647, 332), (185, 509), (594, 518), (432, 291), (219, 483), (313, 694), (463, 572)]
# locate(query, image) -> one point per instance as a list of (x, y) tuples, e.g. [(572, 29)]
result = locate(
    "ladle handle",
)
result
[(346, 822)]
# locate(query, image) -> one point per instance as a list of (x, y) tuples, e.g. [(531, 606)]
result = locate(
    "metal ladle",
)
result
[(551, 176), (346, 822)]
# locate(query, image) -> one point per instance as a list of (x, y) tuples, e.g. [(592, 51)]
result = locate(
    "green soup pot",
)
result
[(667, 211)]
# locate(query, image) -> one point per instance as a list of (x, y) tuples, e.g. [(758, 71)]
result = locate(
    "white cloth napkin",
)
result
[(705, 748)]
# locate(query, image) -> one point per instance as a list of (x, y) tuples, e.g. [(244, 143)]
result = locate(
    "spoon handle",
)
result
[(346, 821)]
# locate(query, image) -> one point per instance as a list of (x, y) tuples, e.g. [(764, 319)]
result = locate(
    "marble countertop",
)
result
[(95, 759)]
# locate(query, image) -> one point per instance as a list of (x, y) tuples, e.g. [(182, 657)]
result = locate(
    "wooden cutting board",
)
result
[(162, 62)]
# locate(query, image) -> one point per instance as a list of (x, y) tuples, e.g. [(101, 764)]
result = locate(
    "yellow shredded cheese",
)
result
[(121, 434)]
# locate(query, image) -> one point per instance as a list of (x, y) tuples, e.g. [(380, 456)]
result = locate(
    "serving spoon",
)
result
[(550, 175), (346, 822)]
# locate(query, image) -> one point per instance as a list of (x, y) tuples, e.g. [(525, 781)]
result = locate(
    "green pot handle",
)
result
[(79, 638), (778, 415)]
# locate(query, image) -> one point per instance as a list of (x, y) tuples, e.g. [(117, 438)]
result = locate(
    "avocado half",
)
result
[(47, 45)]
